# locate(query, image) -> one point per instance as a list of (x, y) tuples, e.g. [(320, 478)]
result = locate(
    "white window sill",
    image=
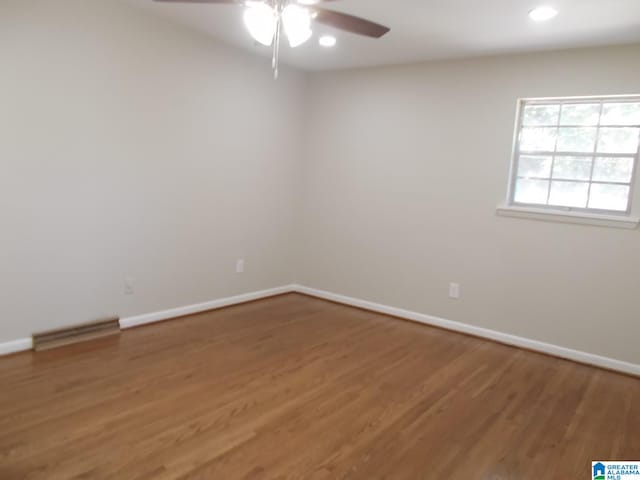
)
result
[(582, 218)]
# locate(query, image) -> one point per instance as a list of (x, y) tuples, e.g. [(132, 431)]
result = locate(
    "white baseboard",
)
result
[(15, 346), (24, 344), (136, 321), (548, 348)]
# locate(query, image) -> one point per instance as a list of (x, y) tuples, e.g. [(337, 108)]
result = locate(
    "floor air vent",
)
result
[(75, 334)]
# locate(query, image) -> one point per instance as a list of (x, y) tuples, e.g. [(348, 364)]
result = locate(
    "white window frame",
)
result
[(617, 218)]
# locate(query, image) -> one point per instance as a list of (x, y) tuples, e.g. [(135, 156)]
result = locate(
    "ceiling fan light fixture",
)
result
[(296, 21), (267, 21), (260, 19)]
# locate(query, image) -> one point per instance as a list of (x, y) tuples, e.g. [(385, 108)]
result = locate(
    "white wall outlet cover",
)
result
[(454, 290), (128, 285), (240, 266)]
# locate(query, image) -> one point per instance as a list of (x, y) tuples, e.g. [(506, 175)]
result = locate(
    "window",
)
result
[(576, 154)]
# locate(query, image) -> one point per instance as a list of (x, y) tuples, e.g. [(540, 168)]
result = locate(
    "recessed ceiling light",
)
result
[(542, 13), (308, 2), (327, 41)]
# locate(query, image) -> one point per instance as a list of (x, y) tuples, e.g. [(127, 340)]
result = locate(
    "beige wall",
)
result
[(404, 169), (133, 147)]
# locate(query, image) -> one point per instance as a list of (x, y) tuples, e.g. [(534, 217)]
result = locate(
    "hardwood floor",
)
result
[(296, 387)]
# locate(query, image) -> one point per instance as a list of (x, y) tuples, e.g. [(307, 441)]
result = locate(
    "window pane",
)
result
[(580, 114), (572, 168), (613, 169), (531, 191), (569, 194), (538, 139), (609, 197), (621, 114), (534, 166), (577, 153), (618, 140), (580, 139), (541, 115)]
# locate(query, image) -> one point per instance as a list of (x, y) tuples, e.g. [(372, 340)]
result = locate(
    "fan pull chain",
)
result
[(279, 6), (276, 48)]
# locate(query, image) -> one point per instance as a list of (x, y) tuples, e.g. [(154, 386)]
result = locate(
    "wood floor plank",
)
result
[(296, 387)]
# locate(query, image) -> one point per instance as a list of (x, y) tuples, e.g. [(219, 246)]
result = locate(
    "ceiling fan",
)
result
[(266, 20)]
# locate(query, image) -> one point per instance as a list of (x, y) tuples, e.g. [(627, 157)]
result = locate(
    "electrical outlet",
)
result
[(128, 286), (454, 290), (240, 265)]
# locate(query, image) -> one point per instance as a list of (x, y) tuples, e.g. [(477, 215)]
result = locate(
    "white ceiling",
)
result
[(430, 29)]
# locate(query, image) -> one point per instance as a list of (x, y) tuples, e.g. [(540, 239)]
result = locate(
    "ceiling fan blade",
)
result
[(350, 23), (230, 2), (301, 2)]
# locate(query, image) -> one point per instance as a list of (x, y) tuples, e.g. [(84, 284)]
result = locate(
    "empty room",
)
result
[(319, 239)]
